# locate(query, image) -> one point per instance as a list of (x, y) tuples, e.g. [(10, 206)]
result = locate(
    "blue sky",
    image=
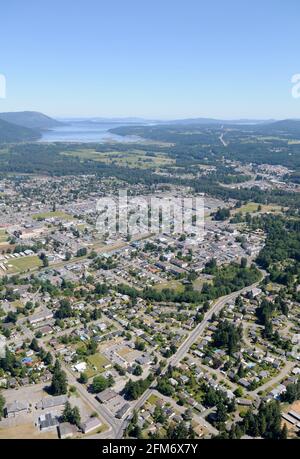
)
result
[(151, 58)]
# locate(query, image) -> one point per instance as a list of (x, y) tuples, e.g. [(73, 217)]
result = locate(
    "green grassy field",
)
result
[(96, 364), (132, 159), (17, 304), (82, 226), (152, 399), (3, 236), (198, 283), (58, 214), (24, 263), (171, 285), (253, 207)]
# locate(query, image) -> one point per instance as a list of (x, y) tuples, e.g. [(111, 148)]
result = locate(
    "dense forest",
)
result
[(259, 144), (281, 253), (12, 133)]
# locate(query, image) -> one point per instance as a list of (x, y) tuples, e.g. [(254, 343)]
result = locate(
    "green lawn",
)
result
[(3, 235), (96, 364), (24, 263), (57, 213), (152, 399), (82, 226), (17, 304)]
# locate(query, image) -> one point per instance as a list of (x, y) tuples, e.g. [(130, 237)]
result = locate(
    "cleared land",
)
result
[(132, 159), (26, 431), (253, 207), (56, 214), (3, 236), (198, 283), (171, 285)]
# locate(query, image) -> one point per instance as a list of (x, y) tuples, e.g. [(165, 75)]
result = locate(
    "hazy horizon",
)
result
[(78, 117), (158, 60)]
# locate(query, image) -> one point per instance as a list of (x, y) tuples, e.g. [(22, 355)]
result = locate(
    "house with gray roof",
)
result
[(15, 408)]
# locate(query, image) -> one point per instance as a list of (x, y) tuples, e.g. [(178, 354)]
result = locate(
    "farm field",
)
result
[(133, 159), (252, 207)]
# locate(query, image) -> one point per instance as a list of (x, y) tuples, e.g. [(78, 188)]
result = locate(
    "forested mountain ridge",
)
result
[(30, 119), (10, 132)]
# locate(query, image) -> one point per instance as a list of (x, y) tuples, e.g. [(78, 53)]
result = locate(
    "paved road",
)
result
[(222, 139), (219, 375), (105, 415), (185, 346), (137, 405), (182, 409), (117, 427), (194, 335), (277, 379)]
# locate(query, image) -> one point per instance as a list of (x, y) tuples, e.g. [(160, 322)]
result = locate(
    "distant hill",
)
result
[(32, 120), (10, 133), (289, 126), (214, 121), (285, 128)]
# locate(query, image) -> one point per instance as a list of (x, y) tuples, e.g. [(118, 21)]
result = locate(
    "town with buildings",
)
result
[(150, 227), (113, 336)]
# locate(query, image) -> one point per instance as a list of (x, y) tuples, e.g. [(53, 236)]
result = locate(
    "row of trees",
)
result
[(59, 384), (134, 389), (101, 383), (71, 415), (227, 279), (228, 336), (266, 423), (2, 405)]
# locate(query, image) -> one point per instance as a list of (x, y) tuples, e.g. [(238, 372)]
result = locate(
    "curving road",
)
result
[(185, 346), (117, 427), (194, 335)]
